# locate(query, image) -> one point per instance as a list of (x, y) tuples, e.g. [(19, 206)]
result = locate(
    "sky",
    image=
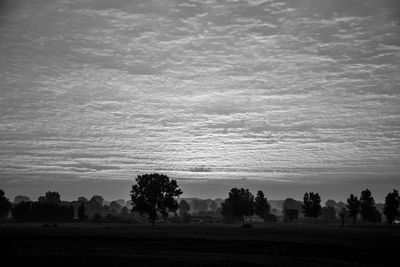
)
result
[(283, 96)]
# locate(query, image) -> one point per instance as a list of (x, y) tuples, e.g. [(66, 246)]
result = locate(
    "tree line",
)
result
[(156, 195)]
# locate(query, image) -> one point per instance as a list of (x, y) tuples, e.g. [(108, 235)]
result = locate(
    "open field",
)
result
[(200, 245)]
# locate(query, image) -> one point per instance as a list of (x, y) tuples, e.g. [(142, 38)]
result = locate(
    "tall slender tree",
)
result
[(367, 209), (311, 205), (261, 206), (353, 207), (391, 208)]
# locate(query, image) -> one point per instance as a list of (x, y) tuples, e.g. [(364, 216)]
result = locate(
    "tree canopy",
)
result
[(238, 205), (261, 206), (391, 208), (353, 207), (154, 193), (5, 205), (368, 211), (311, 205)]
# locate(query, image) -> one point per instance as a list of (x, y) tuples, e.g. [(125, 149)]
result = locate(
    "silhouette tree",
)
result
[(261, 206), (5, 205), (81, 213), (18, 199), (391, 208), (154, 193), (290, 214), (97, 199), (83, 199), (353, 207), (51, 198), (311, 205), (115, 206), (124, 211), (199, 205), (291, 203), (367, 208), (240, 203), (330, 203), (329, 213), (184, 208)]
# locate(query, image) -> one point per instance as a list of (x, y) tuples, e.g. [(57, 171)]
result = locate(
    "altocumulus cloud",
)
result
[(279, 91)]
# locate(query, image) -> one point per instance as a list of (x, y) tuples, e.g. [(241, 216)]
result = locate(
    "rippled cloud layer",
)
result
[(300, 91)]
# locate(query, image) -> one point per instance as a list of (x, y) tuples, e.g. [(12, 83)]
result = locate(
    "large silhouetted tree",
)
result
[(391, 208), (153, 193), (311, 205), (51, 198), (353, 207), (368, 211), (261, 206), (239, 204), (5, 205)]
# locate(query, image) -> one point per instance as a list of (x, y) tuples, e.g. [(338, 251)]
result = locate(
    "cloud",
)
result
[(274, 90)]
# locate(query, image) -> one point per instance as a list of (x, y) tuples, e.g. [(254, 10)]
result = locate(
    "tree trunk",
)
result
[(354, 219)]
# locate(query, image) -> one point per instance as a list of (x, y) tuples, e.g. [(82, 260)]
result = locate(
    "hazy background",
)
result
[(284, 96)]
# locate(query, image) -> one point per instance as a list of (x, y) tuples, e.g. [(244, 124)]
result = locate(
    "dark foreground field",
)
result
[(199, 245)]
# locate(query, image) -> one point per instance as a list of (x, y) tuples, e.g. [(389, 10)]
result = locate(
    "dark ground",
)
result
[(281, 244)]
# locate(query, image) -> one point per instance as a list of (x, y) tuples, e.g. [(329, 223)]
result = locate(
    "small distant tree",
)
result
[(391, 208), (83, 199), (238, 205), (353, 207), (261, 206), (5, 205), (184, 208), (329, 213), (154, 193), (311, 205), (290, 214), (18, 199), (97, 199), (199, 205), (124, 211), (115, 206), (367, 209), (330, 203), (81, 213)]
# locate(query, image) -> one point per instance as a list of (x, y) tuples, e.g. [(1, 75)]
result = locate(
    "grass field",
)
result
[(280, 244)]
